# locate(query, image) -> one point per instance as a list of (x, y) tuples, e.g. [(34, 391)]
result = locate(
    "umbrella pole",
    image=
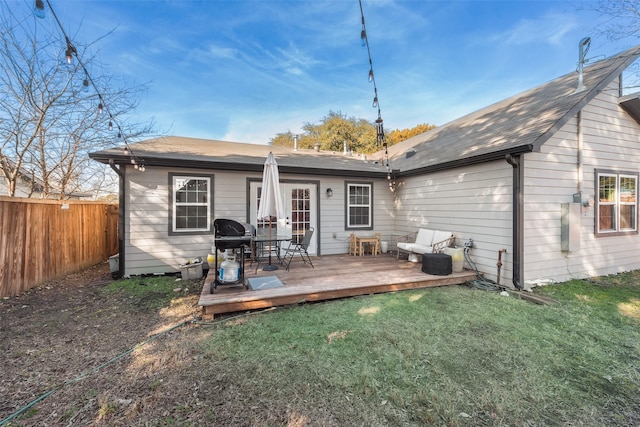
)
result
[(270, 267)]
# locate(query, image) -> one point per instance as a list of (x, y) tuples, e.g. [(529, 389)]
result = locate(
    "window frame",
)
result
[(173, 231), (616, 230), (348, 205)]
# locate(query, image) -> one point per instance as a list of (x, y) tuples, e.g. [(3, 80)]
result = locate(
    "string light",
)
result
[(380, 135), (70, 53), (38, 10)]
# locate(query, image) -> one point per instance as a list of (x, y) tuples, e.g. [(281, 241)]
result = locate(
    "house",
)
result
[(547, 178), (29, 186)]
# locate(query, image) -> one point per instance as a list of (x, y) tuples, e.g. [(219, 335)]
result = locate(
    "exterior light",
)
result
[(329, 192)]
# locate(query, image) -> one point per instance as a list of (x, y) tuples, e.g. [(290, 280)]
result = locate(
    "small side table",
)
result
[(437, 264)]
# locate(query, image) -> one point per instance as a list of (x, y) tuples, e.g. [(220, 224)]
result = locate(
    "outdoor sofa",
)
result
[(424, 241)]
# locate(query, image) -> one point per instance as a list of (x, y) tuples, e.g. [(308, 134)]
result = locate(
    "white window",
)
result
[(359, 205), (617, 203), (191, 205)]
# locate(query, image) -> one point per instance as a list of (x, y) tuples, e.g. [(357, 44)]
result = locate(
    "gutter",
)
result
[(120, 171), (378, 173), (466, 161), (517, 222)]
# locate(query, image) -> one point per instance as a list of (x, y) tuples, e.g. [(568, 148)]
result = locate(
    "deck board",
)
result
[(334, 276)]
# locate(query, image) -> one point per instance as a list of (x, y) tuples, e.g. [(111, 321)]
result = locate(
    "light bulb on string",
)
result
[(70, 51), (38, 9), (380, 136), (126, 151)]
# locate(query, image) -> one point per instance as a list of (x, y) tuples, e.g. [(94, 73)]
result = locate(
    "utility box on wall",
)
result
[(570, 227)]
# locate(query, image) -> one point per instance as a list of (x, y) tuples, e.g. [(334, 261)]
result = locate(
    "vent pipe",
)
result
[(583, 48)]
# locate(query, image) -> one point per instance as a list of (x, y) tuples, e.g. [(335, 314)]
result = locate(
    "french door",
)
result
[(301, 211)]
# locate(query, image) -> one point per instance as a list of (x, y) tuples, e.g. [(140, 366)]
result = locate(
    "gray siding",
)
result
[(474, 202), (150, 249), (551, 177)]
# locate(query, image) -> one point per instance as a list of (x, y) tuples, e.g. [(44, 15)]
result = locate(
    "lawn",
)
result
[(450, 356)]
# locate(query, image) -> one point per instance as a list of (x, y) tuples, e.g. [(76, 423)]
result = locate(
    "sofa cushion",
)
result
[(421, 249), (405, 246), (415, 248), (425, 236), (439, 236)]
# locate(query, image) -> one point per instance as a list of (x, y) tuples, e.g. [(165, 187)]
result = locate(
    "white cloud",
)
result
[(550, 29)]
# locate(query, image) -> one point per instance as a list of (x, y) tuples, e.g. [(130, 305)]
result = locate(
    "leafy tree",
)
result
[(336, 129), (399, 135), (49, 114)]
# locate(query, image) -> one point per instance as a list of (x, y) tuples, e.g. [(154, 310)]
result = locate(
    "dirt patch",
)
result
[(51, 335)]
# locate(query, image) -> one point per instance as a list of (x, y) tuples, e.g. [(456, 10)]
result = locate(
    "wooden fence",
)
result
[(42, 240)]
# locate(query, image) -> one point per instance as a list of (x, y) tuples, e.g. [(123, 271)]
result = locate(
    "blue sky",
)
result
[(247, 70)]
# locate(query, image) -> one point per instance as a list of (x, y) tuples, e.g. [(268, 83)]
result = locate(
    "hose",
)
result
[(88, 372), (481, 282), (120, 356)]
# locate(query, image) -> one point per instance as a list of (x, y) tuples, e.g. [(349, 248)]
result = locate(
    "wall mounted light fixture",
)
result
[(329, 192)]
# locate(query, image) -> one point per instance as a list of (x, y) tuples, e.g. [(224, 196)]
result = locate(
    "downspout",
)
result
[(121, 199), (517, 221), (579, 153)]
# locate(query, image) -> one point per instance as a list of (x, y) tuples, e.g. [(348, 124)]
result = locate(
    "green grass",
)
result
[(148, 293), (445, 356)]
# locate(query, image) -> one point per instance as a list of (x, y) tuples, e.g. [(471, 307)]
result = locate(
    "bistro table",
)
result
[(270, 242), (369, 240)]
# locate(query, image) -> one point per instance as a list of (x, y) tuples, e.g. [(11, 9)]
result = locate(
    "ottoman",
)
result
[(437, 264)]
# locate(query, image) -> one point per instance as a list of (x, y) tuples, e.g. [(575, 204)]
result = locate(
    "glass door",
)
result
[(300, 203)]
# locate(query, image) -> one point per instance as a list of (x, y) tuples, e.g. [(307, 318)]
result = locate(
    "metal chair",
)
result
[(299, 248)]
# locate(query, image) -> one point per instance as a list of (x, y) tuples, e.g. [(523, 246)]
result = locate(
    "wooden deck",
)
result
[(334, 276)]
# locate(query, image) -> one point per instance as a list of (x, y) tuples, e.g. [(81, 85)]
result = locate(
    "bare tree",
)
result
[(53, 113), (621, 18)]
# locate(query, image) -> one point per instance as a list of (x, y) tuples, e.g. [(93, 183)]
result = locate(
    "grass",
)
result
[(149, 293), (446, 356), (449, 356)]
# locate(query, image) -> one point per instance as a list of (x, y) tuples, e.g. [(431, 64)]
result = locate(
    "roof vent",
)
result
[(583, 47), (410, 153)]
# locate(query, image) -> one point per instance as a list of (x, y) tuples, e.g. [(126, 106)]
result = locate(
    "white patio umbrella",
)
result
[(271, 204)]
